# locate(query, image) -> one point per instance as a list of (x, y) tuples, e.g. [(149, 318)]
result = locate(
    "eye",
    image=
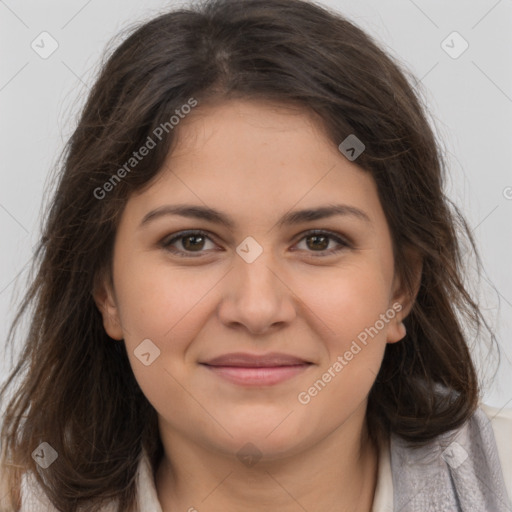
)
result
[(191, 243), (318, 239)]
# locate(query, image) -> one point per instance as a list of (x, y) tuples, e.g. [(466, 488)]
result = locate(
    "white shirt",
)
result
[(501, 421)]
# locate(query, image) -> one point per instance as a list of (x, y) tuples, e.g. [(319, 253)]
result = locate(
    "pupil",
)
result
[(319, 237), (195, 237)]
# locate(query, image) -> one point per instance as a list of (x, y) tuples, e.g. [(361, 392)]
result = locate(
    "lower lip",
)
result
[(267, 376)]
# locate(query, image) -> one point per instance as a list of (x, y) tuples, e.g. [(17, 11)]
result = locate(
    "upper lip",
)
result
[(255, 360)]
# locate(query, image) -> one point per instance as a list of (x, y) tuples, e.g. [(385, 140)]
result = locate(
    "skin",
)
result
[(256, 161)]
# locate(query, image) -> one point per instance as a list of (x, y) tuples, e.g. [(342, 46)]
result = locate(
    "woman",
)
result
[(250, 287)]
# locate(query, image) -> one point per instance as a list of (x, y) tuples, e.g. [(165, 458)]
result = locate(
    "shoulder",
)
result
[(3, 493), (501, 422), (436, 476), (4, 490)]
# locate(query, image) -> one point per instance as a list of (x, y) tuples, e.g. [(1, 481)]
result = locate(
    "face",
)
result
[(319, 290)]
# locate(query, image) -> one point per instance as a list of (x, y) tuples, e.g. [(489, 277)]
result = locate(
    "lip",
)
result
[(256, 370)]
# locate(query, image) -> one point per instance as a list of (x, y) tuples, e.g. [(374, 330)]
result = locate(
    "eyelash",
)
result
[(166, 242)]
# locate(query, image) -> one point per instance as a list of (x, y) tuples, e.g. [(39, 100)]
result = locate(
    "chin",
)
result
[(269, 438)]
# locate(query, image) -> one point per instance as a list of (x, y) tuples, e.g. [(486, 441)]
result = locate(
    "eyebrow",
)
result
[(290, 218)]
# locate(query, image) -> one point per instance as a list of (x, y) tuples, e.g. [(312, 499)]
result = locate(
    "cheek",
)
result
[(168, 308), (349, 301), (157, 302), (350, 306)]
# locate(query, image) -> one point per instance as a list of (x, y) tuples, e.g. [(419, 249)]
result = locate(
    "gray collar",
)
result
[(458, 471)]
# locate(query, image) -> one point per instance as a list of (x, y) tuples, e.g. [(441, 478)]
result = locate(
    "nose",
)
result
[(256, 297)]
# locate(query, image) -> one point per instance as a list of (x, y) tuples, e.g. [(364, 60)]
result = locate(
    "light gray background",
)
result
[(469, 99)]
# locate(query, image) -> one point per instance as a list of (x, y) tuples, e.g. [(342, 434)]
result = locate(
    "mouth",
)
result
[(256, 370)]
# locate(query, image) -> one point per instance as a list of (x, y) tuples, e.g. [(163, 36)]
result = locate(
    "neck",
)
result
[(336, 475)]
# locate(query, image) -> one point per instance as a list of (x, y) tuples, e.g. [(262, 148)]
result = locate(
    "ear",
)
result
[(402, 298), (104, 297)]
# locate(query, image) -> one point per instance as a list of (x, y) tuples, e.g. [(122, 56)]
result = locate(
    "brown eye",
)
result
[(319, 241), (193, 242), (186, 243)]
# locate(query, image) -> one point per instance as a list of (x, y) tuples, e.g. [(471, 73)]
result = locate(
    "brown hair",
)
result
[(78, 392)]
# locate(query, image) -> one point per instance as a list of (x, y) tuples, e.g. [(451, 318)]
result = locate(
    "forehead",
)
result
[(257, 158)]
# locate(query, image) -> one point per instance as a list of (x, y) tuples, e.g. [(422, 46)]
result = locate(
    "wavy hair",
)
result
[(76, 389)]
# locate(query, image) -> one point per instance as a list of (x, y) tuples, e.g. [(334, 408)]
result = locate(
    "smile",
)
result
[(257, 376)]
